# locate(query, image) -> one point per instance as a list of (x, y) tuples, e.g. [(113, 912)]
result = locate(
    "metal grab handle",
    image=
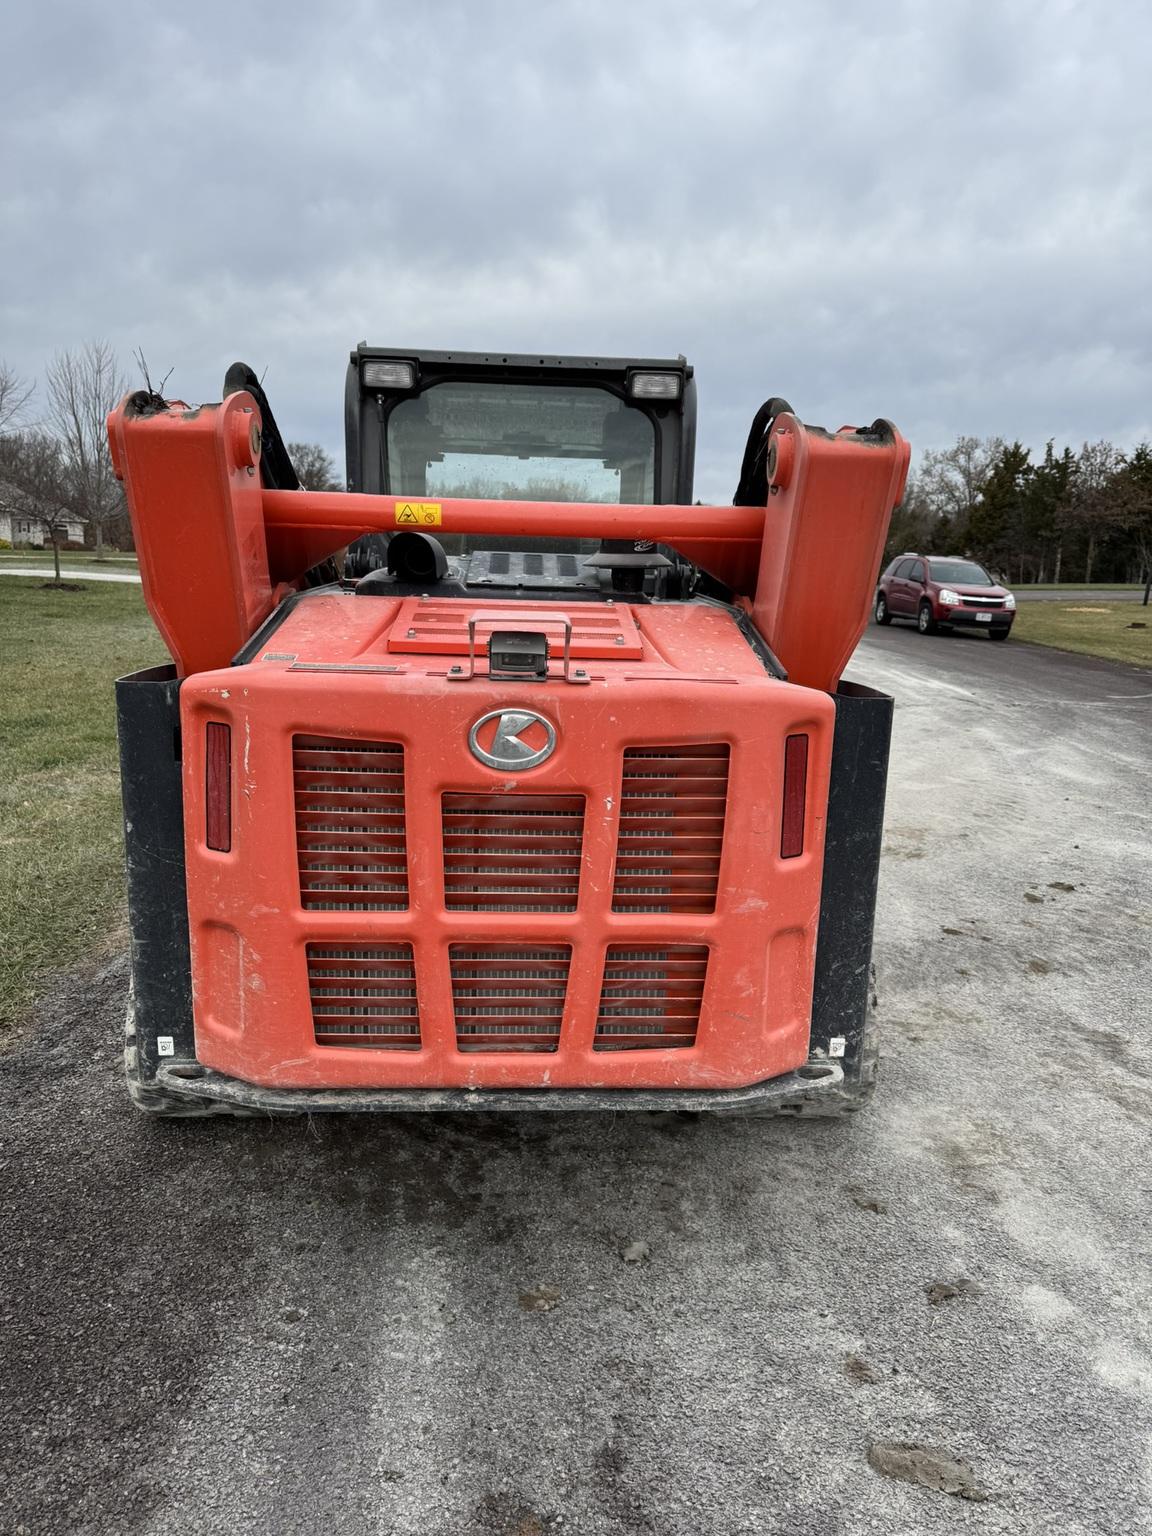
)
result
[(457, 674)]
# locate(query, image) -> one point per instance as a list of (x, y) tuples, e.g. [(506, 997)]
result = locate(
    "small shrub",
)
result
[(5, 544)]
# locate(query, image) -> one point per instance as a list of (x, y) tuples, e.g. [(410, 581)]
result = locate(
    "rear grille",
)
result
[(350, 824), (651, 997), (671, 828), (512, 853), (510, 568), (364, 995), (509, 998)]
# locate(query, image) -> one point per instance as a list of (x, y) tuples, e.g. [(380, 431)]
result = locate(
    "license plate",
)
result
[(983, 618)]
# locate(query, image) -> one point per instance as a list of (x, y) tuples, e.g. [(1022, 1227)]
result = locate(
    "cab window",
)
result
[(521, 442)]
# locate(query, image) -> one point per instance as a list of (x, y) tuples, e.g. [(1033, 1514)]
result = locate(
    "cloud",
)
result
[(940, 213)]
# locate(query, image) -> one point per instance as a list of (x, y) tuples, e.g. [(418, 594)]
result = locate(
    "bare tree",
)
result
[(914, 522), (1092, 507), (83, 387), (314, 467), (15, 394), (39, 486), (952, 480)]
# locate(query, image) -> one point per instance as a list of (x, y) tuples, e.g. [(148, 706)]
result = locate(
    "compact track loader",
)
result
[(507, 778)]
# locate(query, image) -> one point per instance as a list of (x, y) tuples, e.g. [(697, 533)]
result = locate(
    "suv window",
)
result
[(917, 571), (901, 568), (964, 571)]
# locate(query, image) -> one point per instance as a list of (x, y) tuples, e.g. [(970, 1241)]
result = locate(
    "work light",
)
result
[(654, 386), (390, 375)]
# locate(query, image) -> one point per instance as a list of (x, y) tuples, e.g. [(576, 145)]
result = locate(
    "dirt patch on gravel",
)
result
[(859, 1371), (929, 1468), (963, 1289)]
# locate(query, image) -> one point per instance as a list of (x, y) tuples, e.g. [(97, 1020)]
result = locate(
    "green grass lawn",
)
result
[(1089, 627), (61, 850)]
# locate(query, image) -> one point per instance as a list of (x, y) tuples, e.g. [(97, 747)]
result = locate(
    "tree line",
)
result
[(1081, 516), (1070, 516), (55, 467)]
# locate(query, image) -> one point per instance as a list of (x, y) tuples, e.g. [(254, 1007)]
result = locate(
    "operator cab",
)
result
[(440, 425)]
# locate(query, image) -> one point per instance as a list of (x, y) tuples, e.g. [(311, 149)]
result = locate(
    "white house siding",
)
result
[(17, 529)]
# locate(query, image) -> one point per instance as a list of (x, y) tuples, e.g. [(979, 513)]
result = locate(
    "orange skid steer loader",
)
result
[(507, 778)]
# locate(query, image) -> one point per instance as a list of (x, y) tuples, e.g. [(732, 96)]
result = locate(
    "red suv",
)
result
[(939, 591)]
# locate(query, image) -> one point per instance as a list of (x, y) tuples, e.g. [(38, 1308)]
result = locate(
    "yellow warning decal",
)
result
[(418, 514)]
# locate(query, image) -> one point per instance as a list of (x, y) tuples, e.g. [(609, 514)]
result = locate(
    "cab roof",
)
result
[(529, 361)]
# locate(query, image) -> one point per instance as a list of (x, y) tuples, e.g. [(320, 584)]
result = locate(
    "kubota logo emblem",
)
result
[(512, 739)]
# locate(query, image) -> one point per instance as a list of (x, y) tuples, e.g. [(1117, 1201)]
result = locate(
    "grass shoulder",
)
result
[(61, 842), (1114, 631)]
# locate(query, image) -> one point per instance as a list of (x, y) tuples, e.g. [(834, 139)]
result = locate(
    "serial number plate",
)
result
[(983, 618)]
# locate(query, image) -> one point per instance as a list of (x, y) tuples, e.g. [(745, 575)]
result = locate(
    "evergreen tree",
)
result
[(1047, 496), (1135, 512), (995, 521)]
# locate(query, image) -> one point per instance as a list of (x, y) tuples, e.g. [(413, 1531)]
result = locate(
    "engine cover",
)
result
[(405, 872)]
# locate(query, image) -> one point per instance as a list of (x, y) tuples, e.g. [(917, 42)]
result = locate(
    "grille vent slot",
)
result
[(350, 834), (509, 997), (441, 628), (672, 809), (512, 853), (364, 994), (651, 997)]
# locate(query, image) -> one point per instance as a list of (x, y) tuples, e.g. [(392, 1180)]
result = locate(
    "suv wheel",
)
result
[(882, 614), (925, 622)]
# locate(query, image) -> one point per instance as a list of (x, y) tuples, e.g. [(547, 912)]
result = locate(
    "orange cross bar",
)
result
[(353, 514)]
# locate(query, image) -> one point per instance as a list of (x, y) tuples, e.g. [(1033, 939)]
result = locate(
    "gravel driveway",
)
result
[(427, 1327)]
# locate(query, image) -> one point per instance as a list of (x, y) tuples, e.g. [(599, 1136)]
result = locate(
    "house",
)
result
[(18, 527)]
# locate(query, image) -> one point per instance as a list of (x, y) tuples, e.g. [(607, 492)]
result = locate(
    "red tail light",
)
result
[(218, 786), (795, 791)]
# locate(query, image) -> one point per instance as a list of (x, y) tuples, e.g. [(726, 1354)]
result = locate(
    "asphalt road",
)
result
[(81, 573), (279, 1327), (1083, 594)]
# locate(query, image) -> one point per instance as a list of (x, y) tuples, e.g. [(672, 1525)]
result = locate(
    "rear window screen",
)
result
[(521, 442)]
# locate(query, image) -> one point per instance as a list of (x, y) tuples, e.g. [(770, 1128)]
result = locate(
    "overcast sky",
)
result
[(935, 212)]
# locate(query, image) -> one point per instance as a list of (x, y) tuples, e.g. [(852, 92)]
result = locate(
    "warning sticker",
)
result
[(417, 514)]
